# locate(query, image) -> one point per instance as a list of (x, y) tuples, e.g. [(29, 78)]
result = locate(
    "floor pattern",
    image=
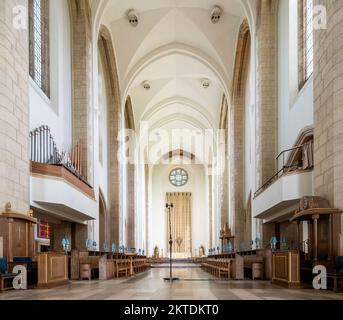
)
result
[(194, 284)]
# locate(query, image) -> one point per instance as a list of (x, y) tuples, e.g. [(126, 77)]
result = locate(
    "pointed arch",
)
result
[(237, 129), (106, 51)]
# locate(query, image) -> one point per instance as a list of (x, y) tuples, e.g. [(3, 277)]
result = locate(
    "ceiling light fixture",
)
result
[(146, 85), (216, 14), (132, 16), (206, 83)]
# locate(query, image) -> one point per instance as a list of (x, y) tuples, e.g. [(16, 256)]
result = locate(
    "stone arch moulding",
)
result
[(106, 51), (236, 127)]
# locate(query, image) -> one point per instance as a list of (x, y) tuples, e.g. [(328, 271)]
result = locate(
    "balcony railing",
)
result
[(284, 167)]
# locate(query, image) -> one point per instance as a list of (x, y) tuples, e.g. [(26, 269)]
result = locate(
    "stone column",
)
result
[(131, 206), (236, 133), (328, 114), (225, 163), (82, 66), (14, 104), (266, 81)]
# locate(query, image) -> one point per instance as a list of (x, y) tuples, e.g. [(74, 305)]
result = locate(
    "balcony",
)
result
[(57, 186), (279, 197), (282, 197)]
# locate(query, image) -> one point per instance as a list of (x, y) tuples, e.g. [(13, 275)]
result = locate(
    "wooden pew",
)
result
[(107, 268), (230, 265), (123, 267), (85, 265)]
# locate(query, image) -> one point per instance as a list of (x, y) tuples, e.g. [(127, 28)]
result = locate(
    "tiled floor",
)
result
[(194, 284)]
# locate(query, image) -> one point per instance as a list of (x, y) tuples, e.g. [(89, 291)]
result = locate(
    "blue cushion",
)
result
[(3, 265), (22, 260)]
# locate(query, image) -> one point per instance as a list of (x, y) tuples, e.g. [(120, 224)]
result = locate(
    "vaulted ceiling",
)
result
[(174, 47)]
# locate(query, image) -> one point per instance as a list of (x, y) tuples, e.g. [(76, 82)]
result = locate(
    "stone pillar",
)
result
[(266, 81), (210, 202), (225, 163), (328, 114), (146, 176), (14, 105), (131, 207), (236, 127), (131, 178), (114, 114), (82, 66)]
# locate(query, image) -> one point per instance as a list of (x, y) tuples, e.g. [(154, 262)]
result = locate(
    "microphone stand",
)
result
[(170, 279)]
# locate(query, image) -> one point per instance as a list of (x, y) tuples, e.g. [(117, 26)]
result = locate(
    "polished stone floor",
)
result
[(194, 284)]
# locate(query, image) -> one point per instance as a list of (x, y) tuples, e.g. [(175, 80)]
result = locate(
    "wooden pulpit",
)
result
[(17, 233)]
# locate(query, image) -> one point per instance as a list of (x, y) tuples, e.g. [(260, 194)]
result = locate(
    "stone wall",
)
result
[(266, 84), (14, 110), (328, 113), (236, 129), (82, 66)]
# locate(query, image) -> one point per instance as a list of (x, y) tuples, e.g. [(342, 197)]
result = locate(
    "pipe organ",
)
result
[(43, 149)]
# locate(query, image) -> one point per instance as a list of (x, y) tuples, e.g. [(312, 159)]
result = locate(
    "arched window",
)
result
[(305, 40), (39, 44)]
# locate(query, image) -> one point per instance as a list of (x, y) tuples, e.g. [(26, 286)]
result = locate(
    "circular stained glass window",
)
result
[(178, 177)]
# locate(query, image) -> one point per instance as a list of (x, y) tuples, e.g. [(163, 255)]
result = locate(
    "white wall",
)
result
[(295, 108), (198, 186), (56, 111)]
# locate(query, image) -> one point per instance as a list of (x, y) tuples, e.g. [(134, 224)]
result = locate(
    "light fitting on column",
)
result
[(132, 16), (216, 14)]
